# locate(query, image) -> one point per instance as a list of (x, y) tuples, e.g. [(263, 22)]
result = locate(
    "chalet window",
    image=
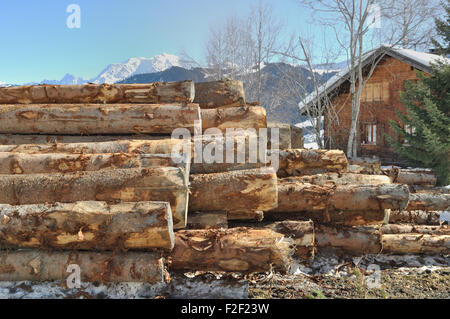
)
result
[(410, 130), (369, 134), (373, 92)]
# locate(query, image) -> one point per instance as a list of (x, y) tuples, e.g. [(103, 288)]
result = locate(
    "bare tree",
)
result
[(216, 52)]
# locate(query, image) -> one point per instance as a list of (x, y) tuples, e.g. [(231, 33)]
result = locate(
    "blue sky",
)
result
[(37, 44)]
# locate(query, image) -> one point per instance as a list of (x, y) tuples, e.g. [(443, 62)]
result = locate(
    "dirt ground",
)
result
[(398, 277)]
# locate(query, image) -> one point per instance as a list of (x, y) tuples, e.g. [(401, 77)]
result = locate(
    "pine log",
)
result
[(234, 191), (301, 232), (245, 117), (152, 93), (34, 265), (297, 162), (19, 139), (354, 240), (415, 217), (369, 165), (415, 229), (121, 185), (412, 177), (235, 151), (430, 189), (246, 215), (297, 140), (207, 220), (429, 202), (284, 135), (88, 226), (165, 146), (341, 179), (97, 119), (234, 250), (369, 197), (336, 218), (298, 197), (21, 163), (400, 244), (219, 93)]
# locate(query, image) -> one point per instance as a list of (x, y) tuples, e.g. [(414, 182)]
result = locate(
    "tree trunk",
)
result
[(415, 217), (151, 93), (21, 163), (415, 229), (236, 190), (234, 250), (411, 177), (167, 184), (298, 197), (341, 179), (219, 93), (217, 154), (310, 162), (97, 119), (165, 146), (16, 139), (34, 265), (301, 232), (429, 202), (400, 244), (246, 215), (354, 240), (88, 226), (207, 220), (369, 165), (246, 117)]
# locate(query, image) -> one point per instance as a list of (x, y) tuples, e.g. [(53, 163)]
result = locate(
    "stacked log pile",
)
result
[(90, 176)]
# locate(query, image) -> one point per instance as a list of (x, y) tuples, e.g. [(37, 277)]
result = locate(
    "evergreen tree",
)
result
[(427, 119), (443, 29)]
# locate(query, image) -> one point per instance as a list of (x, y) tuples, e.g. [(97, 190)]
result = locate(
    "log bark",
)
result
[(415, 217), (246, 215), (165, 146), (297, 140), (245, 117), (237, 190), (121, 185), (284, 134), (219, 93), (207, 220), (368, 165), (152, 93), (412, 177), (429, 202), (309, 162), (234, 250), (353, 240), (301, 232), (88, 226), (17, 139), (415, 229), (97, 119), (34, 265), (298, 197), (217, 154), (400, 244), (341, 179), (21, 163)]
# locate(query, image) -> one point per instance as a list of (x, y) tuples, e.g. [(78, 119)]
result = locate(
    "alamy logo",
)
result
[(74, 279), (74, 19)]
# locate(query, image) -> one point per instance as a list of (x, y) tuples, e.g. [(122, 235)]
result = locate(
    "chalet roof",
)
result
[(419, 60)]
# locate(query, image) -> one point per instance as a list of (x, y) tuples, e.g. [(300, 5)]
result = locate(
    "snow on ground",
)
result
[(309, 135)]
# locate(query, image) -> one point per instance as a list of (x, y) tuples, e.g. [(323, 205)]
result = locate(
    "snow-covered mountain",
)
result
[(120, 71), (134, 66)]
